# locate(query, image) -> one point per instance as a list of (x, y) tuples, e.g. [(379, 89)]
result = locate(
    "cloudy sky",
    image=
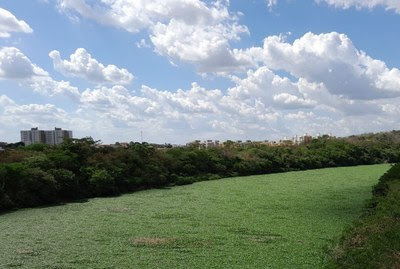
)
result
[(180, 70)]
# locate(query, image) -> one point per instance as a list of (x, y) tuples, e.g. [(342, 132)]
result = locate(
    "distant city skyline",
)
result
[(26, 135), (174, 71)]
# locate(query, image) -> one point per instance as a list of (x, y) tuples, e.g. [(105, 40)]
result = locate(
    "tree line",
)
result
[(77, 169)]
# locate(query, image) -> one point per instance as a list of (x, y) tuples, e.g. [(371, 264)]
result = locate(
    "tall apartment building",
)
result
[(50, 137)]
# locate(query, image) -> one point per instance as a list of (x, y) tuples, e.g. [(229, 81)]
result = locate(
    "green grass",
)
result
[(374, 240), (272, 221)]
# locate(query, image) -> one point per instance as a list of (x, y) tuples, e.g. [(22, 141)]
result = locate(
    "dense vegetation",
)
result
[(39, 174), (374, 241), (281, 220)]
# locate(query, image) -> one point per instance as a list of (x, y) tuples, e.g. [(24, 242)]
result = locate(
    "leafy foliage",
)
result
[(81, 168)]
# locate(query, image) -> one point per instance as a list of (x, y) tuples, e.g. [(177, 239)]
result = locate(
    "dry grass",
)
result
[(396, 260), (357, 241), (151, 241), (264, 239), (26, 251)]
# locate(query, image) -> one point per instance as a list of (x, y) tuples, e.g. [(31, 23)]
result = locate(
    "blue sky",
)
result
[(180, 70)]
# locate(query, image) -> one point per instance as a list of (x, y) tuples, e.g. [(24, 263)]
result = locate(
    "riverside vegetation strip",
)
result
[(39, 174), (374, 240), (271, 221)]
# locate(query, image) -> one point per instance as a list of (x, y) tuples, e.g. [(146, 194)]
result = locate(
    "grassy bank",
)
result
[(374, 240), (272, 221)]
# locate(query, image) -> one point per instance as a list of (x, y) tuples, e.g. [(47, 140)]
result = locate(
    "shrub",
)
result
[(102, 183), (40, 186), (184, 180), (67, 183)]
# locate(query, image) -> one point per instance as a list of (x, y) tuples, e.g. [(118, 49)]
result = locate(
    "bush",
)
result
[(184, 181), (11, 178), (40, 186), (102, 183), (67, 183)]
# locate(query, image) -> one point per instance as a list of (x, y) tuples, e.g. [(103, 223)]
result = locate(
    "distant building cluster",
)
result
[(296, 140), (149, 145), (204, 144), (116, 145), (57, 136), (49, 137)]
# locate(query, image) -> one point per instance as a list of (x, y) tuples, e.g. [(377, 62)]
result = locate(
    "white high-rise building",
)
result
[(50, 137)]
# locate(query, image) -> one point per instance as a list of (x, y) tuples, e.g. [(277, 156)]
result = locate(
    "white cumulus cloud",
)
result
[(293, 101), (182, 30), (248, 107), (387, 4), (16, 117), (331, 59), (9, 23), (262, 105), (207, 47), (81, 64), (14, 65), (358, 4), (49, 87)]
